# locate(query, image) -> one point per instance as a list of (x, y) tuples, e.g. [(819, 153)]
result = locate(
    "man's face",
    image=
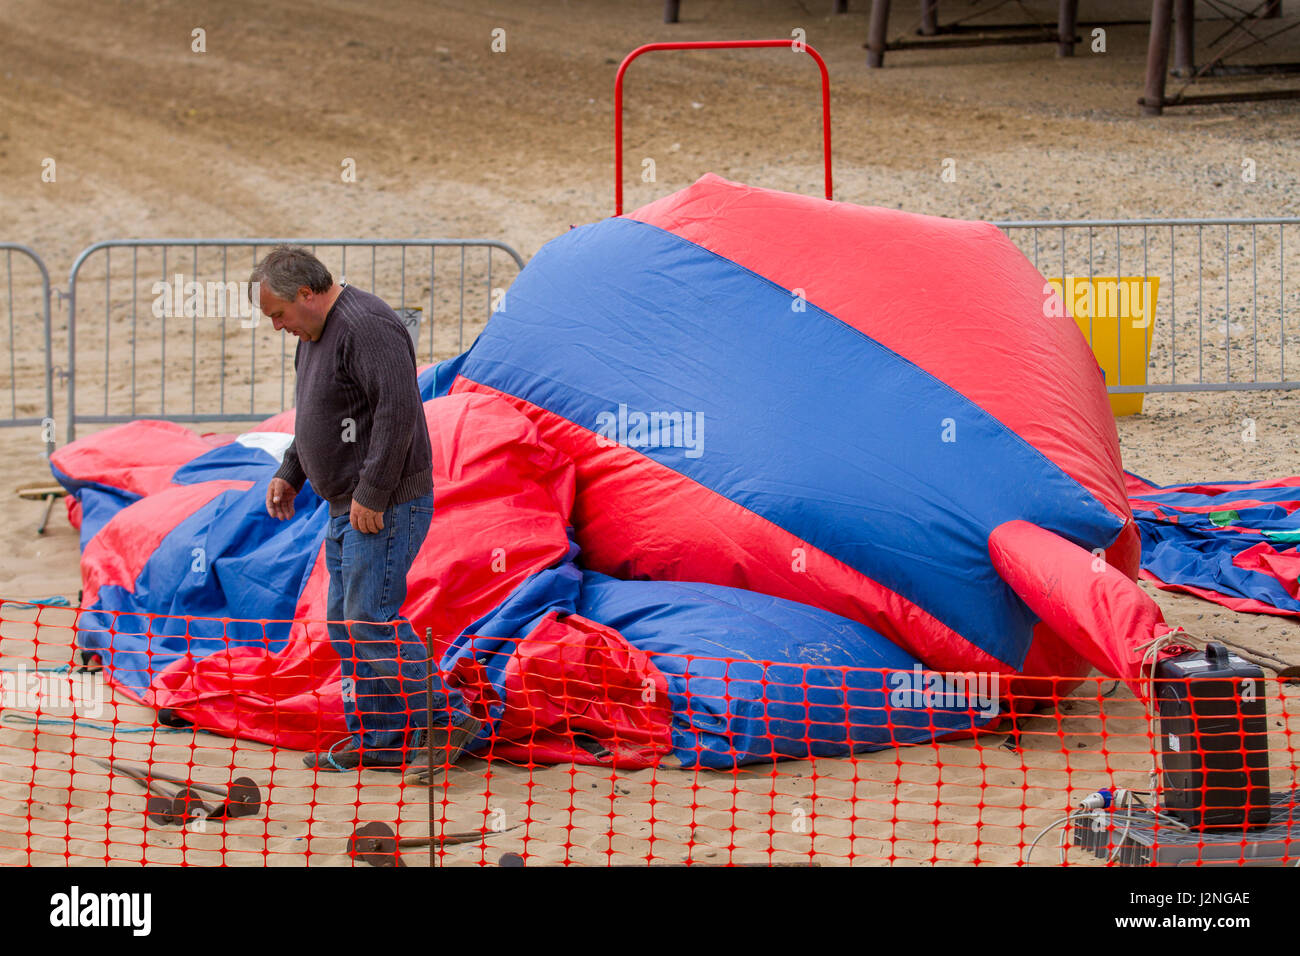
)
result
[(297, 317)]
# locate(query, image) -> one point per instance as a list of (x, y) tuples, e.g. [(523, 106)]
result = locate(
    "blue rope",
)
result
[(56, 600), (11, 718), (329, 754)]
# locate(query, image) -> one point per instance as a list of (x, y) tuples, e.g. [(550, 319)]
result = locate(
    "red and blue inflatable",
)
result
[(714, 476)]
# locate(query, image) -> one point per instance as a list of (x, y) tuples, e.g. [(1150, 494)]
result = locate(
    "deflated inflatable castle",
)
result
[(721, 481)]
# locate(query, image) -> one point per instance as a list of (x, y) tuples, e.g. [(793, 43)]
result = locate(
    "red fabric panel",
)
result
[(572, 676), (118, 553), (503, 499), (1100, 613), (140, 456), (1050, 656), (1283, 565), (956, 298), (1136, 485)]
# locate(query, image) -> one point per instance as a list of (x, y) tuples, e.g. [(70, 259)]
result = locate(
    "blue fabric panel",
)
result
[(232, 462), (228, 559), (751, 677), (757, 678), (871, 481)]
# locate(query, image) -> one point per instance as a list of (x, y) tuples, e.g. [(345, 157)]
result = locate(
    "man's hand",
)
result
[(279, 499), (365, 520)]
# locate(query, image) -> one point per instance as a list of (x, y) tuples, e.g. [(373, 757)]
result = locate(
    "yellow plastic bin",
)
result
[(1116, 314)]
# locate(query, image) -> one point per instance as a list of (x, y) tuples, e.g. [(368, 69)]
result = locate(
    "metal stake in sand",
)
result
[(49, 494), (377, 844), (190, 806), (242, 799), (162, 806)]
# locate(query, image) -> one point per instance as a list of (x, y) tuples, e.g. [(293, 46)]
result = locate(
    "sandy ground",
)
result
[(451, 139)]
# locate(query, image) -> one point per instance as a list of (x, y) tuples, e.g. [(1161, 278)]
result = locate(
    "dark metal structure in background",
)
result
[(1169, 18), (956, 34), (1178, 17), (962, 34)]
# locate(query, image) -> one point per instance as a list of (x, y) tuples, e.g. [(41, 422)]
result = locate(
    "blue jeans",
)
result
[(384, 666)]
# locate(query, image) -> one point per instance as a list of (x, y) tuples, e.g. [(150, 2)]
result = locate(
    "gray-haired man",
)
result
[(360, 437)]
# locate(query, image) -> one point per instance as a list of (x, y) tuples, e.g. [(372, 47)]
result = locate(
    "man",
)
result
[(360, 437)]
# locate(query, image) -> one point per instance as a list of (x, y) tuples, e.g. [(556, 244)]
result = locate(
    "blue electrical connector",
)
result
[(1101, 800)]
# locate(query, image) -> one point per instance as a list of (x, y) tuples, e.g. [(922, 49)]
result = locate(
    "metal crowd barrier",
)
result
[(175, 337), (27, 358), (144, 341), (1225, 315)]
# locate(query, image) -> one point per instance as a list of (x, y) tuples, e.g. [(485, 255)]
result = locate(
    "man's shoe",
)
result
[(449, 742)]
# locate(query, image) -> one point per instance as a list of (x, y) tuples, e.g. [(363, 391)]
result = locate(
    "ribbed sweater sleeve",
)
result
[(396, 406), (291, 469)]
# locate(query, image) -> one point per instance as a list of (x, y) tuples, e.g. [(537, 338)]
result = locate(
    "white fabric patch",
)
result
[(273, 443)]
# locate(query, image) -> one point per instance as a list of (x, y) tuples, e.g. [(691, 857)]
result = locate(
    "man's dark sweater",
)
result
[(359, 432)]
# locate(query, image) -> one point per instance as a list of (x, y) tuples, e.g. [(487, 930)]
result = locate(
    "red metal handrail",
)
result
[(714, 45)]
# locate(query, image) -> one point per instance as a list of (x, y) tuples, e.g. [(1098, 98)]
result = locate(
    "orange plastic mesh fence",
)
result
[(84, 780)]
